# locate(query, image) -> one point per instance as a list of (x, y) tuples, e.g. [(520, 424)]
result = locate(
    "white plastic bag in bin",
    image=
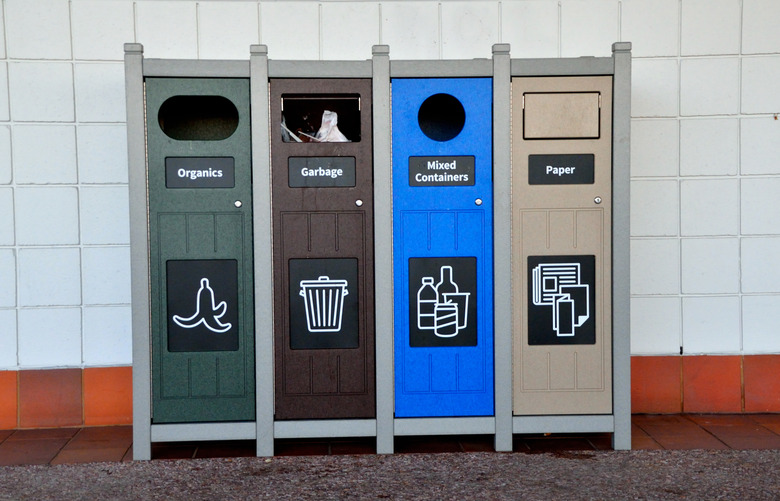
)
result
[(324, 303), (329, 130)]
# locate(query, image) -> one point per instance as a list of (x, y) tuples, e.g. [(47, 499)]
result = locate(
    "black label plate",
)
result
[(200, 172), (324, 304), (561, 169), (321, 172), (202, 305), (561, 300), (441, 171), (442, 301)]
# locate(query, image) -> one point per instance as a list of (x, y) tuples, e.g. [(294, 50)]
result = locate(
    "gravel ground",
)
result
[(700, 474)]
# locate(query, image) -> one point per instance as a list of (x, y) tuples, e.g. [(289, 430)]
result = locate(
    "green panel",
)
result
[(204, 376), (203, 224)]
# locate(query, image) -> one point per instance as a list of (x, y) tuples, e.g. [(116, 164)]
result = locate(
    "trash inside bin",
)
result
[(320, 118), (328, 132)]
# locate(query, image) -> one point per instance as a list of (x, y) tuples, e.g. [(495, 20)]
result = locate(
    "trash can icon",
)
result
[(324, 303)]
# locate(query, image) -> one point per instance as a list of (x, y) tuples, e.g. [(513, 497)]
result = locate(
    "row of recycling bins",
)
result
[(378, 247)]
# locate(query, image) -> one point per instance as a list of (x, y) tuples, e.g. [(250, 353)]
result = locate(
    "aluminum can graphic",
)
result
[(446, 320)]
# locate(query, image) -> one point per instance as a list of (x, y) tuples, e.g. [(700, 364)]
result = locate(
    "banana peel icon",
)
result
[(206, 311)]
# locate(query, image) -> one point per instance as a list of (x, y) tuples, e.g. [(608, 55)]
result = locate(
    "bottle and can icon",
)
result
[(442, 308)]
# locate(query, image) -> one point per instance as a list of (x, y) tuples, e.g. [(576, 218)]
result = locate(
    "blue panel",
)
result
[(443, 247)]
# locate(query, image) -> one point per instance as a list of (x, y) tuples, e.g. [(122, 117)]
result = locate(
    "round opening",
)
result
[(198, 118), (441, 117)]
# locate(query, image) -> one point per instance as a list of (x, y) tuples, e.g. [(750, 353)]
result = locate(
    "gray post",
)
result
[(263, 268), (383, 250), (621, 299), (139, 251), (502, 246)]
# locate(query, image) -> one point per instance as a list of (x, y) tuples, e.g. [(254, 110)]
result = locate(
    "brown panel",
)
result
[(323, 223), (562, 220)]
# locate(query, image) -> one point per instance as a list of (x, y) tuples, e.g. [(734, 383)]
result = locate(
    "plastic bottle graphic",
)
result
[(427, 297), (446, 285)]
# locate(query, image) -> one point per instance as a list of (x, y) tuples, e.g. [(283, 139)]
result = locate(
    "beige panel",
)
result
[(561, 229), (561, 115), (535, 223), (592, 379), (538, 373), (563, 370), (560, 220)]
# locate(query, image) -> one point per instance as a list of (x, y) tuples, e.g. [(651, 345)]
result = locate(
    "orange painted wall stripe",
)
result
[(712, 384), (9, 404), (50, 398), (103, 396), (108, 396), (656, 385), (762, 383)]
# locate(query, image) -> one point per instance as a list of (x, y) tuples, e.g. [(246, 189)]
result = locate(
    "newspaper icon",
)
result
[(559, 286)]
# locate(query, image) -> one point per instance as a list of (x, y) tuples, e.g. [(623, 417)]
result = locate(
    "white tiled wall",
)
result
[(225, 29), (709, 147), (710, 27), (276, 18), (718, 273), (707, 207), (5, 112), (347, 29), (49, 277), (33, 161), (588, 27), (7, 278), (531, 28), (655, 88), (37, 29), (41, 91), (653, 32), (711, 324), (759, 93), (709, 86), (704, 126), (49, 337), (759, 23), (99, 28), (760, 140), (705, 147)]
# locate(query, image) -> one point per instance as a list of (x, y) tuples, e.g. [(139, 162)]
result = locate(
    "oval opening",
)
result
[(441, 117), (198, 118)]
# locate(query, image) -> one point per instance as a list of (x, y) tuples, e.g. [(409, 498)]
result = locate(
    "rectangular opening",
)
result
[(561, 115), (318, 118)]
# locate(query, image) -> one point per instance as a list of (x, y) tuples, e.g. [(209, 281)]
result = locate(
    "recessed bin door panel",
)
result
[(322, 177), (561, 245), (442, 246), (200, 234)]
